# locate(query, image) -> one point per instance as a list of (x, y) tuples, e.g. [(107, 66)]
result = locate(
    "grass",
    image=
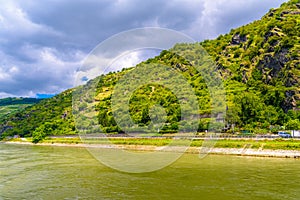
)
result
[(130, 141), (274, 144)]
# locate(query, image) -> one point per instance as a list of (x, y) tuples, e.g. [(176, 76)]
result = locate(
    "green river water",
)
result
[(44, 172)]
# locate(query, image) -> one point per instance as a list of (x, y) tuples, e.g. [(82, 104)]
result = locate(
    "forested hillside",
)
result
[(11, 105), (54, 113), (259, 64)]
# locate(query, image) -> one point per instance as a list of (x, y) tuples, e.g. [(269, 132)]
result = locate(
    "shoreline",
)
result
[(193, 150)]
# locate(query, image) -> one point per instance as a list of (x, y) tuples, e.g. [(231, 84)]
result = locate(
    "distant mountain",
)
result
[(11, 105), (259, 64), (17, 100)]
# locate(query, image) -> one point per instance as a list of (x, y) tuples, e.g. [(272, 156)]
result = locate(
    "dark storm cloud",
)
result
[(42, 43), (83, 24)]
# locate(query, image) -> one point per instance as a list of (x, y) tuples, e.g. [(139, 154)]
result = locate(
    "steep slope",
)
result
[(263, 59), (259, 63), (264, 55)]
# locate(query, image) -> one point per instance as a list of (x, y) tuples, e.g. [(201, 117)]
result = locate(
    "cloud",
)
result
[(17, 29), (43, 43), (128, 59), (47, 73), (13, 18), (220, 16), (4, 95), (127, 49)]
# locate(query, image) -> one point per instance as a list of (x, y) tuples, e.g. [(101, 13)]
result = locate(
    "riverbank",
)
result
[(246, 150)]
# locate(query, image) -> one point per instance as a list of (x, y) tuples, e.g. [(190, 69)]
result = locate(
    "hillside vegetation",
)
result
[(259, 64), (54, 114), (11, 105)]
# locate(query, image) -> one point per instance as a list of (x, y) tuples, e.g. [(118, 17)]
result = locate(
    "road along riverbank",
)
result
[(258, 148)]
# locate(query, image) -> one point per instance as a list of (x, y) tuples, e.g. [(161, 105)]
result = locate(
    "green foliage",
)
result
[(264, 60), (293, 124), (8, 110), (18, 101), (56, 110), (12, 105), (41, 132)]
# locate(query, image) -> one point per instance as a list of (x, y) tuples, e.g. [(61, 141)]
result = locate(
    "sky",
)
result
[(44, 43)]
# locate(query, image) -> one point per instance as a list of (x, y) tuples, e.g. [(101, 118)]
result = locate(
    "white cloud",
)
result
[(219, 16), (14, 70), (4, 95), (130, 59), (14, 20)]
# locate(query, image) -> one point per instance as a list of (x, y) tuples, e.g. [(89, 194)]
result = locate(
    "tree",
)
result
[(38, 135), (41, 132), (216, 126), (145, 116), (250, 107), (270, 115), (293, 124), (232, 115)]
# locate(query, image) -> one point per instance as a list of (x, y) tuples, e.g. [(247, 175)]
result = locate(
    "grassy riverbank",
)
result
[(270, 144)]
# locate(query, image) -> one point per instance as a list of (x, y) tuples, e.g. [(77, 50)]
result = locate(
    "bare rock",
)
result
[(238, 39)]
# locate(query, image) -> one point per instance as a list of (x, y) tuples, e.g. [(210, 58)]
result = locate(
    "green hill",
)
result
[(263, 59), (17, 101), (56, 111), (11, 105), (259, 64)]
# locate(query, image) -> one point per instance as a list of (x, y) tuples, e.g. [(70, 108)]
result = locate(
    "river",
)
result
[(49, 172)]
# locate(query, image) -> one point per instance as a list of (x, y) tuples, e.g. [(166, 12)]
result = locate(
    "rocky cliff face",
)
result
[(265, 53)]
